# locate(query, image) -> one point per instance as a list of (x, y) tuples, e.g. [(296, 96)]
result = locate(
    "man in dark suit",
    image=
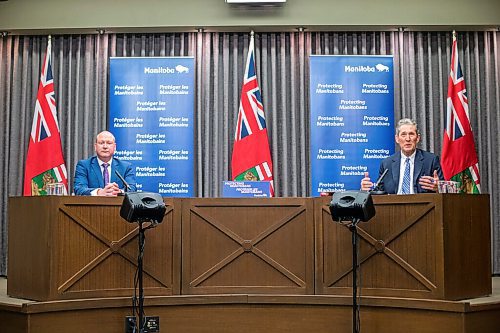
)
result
[(97, 175), (411, 170)]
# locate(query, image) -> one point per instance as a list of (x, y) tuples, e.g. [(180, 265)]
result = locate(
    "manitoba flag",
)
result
[(251, 158), (45, 161), (458, 158)]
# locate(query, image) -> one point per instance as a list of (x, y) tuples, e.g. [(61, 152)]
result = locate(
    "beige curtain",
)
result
[(80, 66)]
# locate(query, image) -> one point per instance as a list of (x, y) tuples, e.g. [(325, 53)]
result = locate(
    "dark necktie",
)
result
[(405, 188), (105, 173)]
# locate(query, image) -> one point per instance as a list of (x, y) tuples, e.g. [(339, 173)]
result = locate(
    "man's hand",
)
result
[(366, 183), (110, 190), (429, 183)]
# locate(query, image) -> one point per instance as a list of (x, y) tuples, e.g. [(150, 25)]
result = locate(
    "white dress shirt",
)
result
[(94, 192), (402, 172)]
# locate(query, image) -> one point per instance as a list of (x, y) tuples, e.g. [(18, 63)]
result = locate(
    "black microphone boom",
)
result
[(376, 187), (126, 185)]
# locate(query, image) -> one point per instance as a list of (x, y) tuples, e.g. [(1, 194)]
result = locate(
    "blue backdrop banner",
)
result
[(352, 119), (151, 108)]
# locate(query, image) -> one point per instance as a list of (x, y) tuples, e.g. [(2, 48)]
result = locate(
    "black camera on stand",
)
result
[(349, 208), (140, 208)]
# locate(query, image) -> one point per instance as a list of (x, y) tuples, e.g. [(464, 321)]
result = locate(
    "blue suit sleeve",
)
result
[(81, 184), (386, 183), (436, 165), (129, 177)]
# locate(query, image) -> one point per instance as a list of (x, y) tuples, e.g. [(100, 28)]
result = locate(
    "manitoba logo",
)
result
[(181, 69), (359, 69), (382, 68), (366, 69), (158, 70)]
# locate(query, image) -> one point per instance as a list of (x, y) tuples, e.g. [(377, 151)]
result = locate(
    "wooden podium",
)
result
[(79, 247), (434, 246), (248, 246)]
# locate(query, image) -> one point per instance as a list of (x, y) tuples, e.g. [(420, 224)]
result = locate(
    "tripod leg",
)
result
[(355, 309)]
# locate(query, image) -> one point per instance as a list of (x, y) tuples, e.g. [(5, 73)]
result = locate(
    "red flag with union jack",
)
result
[(45, 161), (251, 158), (458, 158)]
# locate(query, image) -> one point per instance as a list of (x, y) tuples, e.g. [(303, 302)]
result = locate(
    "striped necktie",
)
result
[(405, 188), (105, 173)]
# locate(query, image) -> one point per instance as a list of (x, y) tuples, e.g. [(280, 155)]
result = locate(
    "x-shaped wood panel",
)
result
[(112, 247), (248, 246), (381, 246)]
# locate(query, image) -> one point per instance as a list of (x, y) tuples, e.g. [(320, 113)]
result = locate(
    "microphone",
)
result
[(126, 185), (376, 187)]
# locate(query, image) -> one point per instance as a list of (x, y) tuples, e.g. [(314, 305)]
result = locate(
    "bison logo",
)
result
[(382, 68), (181, 69)]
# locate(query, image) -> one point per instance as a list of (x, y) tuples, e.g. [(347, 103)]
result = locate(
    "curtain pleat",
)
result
[(80, 68)]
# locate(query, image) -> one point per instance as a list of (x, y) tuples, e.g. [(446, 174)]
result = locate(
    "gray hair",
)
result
[(407, 121)]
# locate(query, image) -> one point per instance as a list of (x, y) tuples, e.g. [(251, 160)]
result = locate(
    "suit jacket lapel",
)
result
[(419, 163), (114, 168), (396, 162), (96, 169)]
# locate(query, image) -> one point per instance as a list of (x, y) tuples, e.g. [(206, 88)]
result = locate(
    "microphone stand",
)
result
[(377, 191), (140, 273), (126, 186), (355, 309), (376, 188), (154, 217)]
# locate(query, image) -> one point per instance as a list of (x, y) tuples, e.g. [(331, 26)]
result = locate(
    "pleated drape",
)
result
[(80, 66)]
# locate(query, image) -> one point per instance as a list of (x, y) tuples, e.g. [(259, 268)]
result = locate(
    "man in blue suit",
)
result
[(411, 170), (97, 175)]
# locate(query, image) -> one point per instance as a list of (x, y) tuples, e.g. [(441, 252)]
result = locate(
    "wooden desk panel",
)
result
[(418, 246), (79, 247), (248, 246)]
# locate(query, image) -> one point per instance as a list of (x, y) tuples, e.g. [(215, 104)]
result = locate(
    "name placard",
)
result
[(246, 189)]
